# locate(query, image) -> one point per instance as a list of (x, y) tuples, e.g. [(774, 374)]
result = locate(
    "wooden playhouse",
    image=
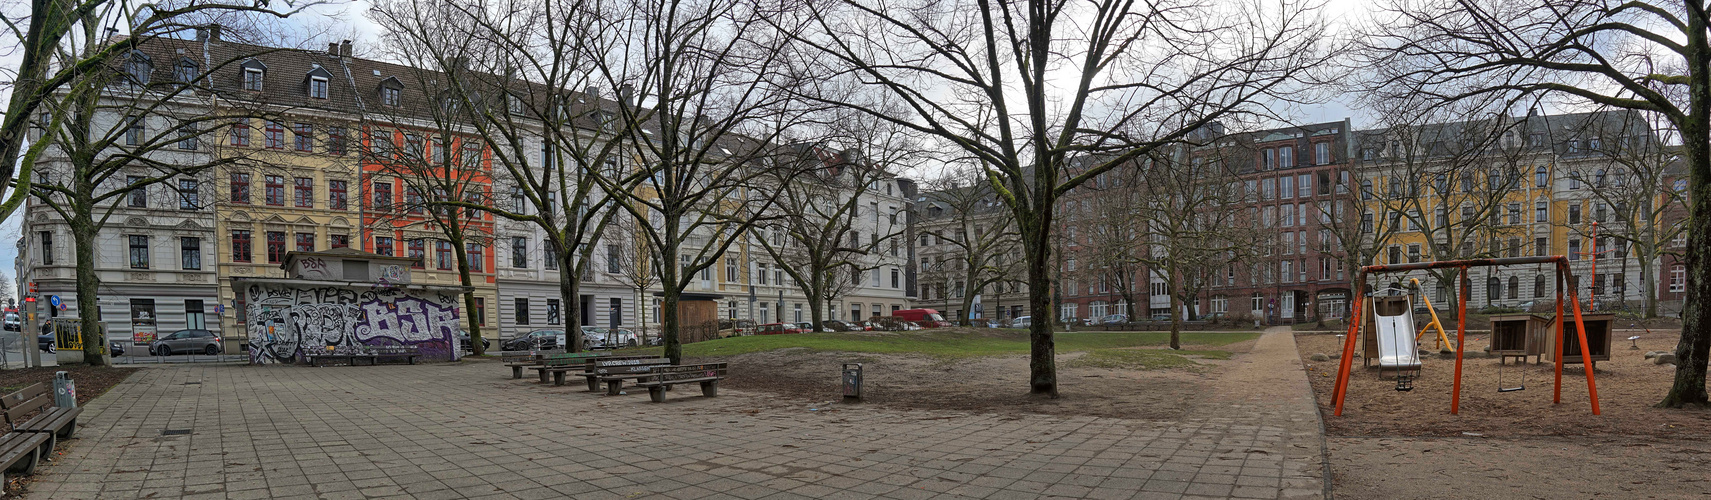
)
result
[(1600, 330), (1520, 336)]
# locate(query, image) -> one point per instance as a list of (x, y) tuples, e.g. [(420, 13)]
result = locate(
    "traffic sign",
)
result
[(54, 300)]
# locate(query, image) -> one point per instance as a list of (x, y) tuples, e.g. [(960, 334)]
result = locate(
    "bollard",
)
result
[(852, 382), (64, 390)]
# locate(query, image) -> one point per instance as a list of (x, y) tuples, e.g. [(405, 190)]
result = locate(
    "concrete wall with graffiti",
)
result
[(287, 321)]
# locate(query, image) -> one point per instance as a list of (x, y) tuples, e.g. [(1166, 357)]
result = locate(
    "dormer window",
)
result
[(317, 82), (391, 92), (186, 71), (138, 69), (514, 104), (254, 74)]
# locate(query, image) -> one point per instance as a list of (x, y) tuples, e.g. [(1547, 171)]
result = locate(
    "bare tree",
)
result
[(1638, 55), (63, 43), (962, 211), (116, 133), (1126, 79), (636, 268), (1644, 206)]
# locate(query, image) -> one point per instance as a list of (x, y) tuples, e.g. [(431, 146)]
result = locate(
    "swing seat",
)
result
[(1511, 389), (1404, 383)]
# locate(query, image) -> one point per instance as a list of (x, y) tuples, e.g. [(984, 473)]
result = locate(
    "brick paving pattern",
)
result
[(469, 431)]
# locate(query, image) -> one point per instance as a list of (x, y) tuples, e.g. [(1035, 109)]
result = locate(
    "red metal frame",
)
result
[(1340, 392)]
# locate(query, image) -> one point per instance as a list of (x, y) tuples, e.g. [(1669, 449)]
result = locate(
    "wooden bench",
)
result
[(371, 353), (563, 360), (613, 372), (58, 423), (518, 360), (19, 452), (586, 368), (661, 378)]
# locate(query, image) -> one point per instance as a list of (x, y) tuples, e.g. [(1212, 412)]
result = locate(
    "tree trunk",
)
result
[(1175, 318), (462, 252), (570, 294), (1042, 351), (1649, 286), (1695, 345), (672, 291), (88, 313)]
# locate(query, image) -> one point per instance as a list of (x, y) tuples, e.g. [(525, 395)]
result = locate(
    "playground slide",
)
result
[(1396, 349)]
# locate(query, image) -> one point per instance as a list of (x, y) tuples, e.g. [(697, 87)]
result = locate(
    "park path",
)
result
[(467, 430)]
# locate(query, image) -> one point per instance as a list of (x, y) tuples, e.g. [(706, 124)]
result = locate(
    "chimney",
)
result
[(592, 92), (345, 48), (214, 32), (201, 34), (333, 49), (625, 92)]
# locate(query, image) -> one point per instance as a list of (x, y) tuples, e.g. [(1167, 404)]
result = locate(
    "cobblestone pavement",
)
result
[(469, 431)]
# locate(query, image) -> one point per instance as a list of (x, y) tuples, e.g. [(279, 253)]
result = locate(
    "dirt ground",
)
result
[(986, 385), (1390, 444)]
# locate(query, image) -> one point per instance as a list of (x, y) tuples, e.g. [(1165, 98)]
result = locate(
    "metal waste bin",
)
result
[(64, 390), (852, 381)]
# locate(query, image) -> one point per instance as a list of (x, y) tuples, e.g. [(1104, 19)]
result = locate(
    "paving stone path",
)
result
[(469, 431)]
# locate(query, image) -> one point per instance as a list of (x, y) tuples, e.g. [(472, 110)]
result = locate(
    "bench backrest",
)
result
[(396, 349), (638, 365), (688, 372), (24, 402)]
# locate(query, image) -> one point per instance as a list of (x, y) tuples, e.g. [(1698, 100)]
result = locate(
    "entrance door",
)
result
[(586, 312)]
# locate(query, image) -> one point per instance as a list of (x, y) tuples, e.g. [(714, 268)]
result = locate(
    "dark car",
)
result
[(45, 342), (835, 325), (186, 341), (116, 348), (534, 341), (463, 342)]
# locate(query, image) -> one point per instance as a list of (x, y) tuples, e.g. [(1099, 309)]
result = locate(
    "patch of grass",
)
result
[(1140, 359), (949, 343)]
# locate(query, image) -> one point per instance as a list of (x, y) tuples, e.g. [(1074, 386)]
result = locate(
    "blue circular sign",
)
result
[(53, 299)]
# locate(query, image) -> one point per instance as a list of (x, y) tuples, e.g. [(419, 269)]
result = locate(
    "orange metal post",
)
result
[(1585, 355), (1562, 281), (1343, 368), (1461, 340)]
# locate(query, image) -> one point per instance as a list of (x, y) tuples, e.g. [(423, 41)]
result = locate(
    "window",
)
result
[(383, 246), (186, 71), (190, 253), (253, 78), (760, 277), (519, 252), (1268, 160), (413, 148), (1514, 213), (417, 251), (336, 195), (240, 246), (139, 252), (1413, 252), (274, 190), (134, 131), (187, 134), (413, 200), (275, 246), (390, 96), (481, 311), (1600, 212), (1541, 211), (338, 241), (1540, 176), (1322, 153), (552, 312), (305, 242), (317, 87), (443, 254), (1678, 278), (241, 132), (474, 252), (1366, 222), (274, 135), (614, 266), (550, 255), (189, 197), (730, 270), (1541, 246), (895, 279), (1395, 254), (47, 248), (520, 307), (305, 193), (1574, 213), (138, 197), (383, 196), (303, 137), (1286, 187), (336, 141), (1574, 249)]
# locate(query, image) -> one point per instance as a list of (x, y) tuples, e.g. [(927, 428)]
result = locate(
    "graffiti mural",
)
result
[(287, 321)]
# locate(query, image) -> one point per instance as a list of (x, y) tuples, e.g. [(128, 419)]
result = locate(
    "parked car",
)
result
[(45, 342), (779, 329), (838, 325), (13, 322), (1114, 319), (927, 318), (538, 340), (735, 327), (1022, 322), (611, 339), (463, 341), (186, 341), (116, 348)]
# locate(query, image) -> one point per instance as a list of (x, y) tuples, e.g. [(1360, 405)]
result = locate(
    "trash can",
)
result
[(64, 390), (852, 382)]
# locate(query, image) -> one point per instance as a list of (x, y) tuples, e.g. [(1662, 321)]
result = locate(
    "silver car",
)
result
[(186, 341)]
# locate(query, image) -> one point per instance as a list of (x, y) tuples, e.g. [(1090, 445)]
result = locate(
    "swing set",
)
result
[(1404, 360)]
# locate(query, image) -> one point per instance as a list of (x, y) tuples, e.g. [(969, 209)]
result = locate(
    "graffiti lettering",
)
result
[(285, 322)]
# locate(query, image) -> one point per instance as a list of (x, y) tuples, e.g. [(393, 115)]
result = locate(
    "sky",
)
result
[(350, 19)]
